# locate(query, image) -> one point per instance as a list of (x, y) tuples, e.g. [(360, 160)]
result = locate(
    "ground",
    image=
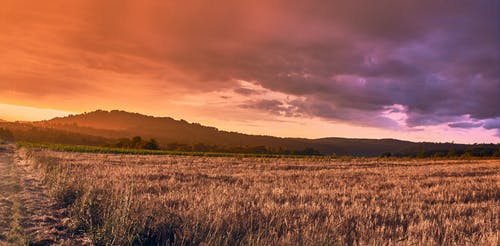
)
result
[(28, 215), (53, 197)]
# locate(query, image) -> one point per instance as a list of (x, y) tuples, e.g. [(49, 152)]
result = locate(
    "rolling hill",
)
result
[(120, 124), (103, 127)]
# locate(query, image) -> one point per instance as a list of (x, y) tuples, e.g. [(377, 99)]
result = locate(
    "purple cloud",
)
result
[(347, 60), (492, 124), (465, 125)]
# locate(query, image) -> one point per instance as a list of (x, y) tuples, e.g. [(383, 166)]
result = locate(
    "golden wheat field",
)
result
[(183, 200)]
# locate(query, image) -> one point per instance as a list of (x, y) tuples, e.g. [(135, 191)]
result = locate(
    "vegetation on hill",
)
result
[(450, 151), (135, 143), (118, 129), (31, 133)]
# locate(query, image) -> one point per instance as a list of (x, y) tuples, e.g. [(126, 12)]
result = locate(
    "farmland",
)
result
[(235, 200)]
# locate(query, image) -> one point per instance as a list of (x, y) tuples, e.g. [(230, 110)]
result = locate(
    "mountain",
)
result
[(120, 124)]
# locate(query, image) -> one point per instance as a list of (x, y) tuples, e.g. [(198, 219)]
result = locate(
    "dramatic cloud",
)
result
[(341, 61), (492, 123), (465, 125)]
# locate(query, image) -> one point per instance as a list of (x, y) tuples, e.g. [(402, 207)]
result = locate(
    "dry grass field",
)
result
[(186, 200)]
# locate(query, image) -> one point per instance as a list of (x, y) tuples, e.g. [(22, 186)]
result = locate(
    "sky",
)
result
[(414, 70)]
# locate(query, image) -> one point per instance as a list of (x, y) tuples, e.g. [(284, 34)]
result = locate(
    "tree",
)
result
[(136, 142), (152, 144)]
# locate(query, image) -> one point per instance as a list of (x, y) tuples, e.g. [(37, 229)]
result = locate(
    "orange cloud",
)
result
[(331, 63)]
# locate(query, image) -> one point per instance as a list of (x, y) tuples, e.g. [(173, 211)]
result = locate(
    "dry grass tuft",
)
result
[(183, 200)]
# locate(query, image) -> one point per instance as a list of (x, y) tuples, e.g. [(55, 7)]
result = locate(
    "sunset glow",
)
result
[(419, 70), (23, 113)]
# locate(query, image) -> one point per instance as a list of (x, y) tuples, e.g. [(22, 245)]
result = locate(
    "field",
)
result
[(117, 199), (130, 151)]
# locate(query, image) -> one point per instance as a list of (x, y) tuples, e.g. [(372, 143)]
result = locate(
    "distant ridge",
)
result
[(118, 124), (110, 120)]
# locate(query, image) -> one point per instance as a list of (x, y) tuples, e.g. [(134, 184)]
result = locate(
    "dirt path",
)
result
[(28, 216)]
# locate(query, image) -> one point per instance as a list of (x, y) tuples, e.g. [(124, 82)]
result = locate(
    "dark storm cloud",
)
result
[(329, 110), (465, 125), (492, 124), (273, 106), (437, 59), (348, 60)]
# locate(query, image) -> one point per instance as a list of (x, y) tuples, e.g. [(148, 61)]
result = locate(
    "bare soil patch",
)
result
[(28, 215)]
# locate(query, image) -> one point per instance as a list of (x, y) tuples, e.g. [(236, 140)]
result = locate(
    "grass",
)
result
[(11, 200), (109, 150), (199, 200)]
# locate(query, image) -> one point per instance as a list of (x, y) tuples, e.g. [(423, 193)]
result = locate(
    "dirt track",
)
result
[(28, 216)]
